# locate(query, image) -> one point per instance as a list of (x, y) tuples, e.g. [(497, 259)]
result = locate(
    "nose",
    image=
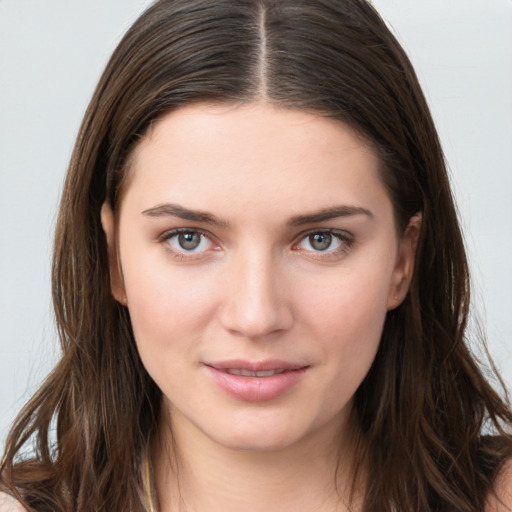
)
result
[(256, 301)]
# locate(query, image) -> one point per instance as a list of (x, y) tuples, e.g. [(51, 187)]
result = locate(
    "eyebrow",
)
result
[(329, 213), (176, 210)]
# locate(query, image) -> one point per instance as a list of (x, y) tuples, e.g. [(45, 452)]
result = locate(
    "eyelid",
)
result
[(345, 237), (347, 240), (341, 233), (187, 255)]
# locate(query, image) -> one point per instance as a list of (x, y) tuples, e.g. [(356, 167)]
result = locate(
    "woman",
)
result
[(260, 282)]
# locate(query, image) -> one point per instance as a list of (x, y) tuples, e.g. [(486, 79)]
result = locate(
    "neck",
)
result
[(193, 473)]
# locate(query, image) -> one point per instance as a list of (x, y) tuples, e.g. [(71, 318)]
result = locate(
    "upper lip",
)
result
[(255, 366)]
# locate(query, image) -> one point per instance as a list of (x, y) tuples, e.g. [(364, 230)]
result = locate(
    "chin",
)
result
[(260, 431), (264, 433), (256, 441)]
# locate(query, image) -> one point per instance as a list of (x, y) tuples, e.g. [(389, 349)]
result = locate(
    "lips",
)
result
[(259, 366), (255, 382), (249, 373)]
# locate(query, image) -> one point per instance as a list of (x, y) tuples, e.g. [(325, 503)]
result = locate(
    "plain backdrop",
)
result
[(51, 55)]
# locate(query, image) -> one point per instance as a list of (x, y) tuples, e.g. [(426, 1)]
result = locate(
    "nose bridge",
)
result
[(256, 302)]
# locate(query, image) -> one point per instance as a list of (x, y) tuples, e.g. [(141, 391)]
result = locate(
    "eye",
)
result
[(187, 241), (319, 241), (327, 242)]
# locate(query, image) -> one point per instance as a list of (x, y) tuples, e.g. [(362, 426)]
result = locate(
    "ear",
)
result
[(116, 275), (404, 268)]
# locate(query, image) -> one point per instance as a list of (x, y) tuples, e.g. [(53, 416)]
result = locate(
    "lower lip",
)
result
[(256, 389)]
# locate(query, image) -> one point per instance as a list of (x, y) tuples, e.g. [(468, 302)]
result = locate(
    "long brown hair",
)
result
[(420, 411)]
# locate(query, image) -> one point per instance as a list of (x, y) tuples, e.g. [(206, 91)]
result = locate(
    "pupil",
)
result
[(189, 241), (320, 241)]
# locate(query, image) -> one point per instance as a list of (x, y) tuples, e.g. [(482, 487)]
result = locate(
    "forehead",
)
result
[(253, 154)]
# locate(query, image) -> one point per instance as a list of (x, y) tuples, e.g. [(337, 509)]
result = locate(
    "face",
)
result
[(257, 254)]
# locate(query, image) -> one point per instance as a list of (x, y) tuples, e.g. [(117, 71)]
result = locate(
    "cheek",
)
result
[(355, 303), (351, 330), (346, 318), (166, 307), (168, 315), (351, 338)]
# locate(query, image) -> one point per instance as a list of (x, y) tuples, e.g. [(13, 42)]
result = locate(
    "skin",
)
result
[(258, 287), (501, 499)]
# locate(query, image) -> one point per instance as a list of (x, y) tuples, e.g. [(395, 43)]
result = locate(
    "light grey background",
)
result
[(51, 55)]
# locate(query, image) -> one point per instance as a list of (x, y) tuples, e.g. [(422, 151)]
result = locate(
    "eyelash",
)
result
[(183, 254), (345, 240)]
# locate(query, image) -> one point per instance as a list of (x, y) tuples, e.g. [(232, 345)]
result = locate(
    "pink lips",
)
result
[(255, 382)]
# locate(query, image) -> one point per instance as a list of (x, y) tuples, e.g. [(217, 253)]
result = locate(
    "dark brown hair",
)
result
[(420, 411)]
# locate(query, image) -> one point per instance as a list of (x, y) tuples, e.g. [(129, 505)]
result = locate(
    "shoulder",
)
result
[(9, 504), (501, 499)]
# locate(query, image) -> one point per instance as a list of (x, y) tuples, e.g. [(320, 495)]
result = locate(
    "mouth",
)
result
[(256, 382), (248, 373), (243, 368)]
